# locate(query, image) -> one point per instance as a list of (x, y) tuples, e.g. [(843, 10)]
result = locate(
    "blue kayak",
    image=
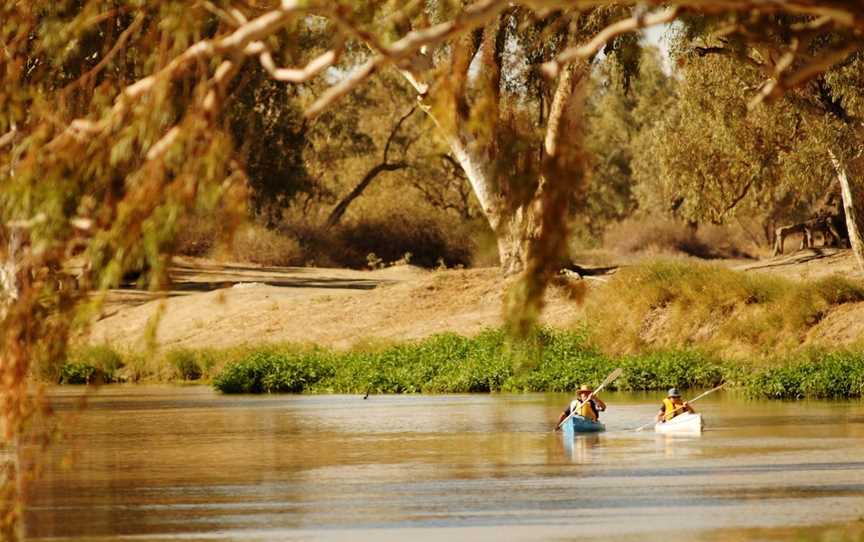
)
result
[(578, 424)]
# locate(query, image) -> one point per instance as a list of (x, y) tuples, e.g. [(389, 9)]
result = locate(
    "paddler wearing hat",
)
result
[(673, 406), (582, 406)]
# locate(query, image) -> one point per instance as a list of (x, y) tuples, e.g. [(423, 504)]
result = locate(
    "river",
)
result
[(185, 463)]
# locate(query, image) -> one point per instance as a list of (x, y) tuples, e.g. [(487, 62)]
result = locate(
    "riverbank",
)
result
[(555, 361), (683, 322)]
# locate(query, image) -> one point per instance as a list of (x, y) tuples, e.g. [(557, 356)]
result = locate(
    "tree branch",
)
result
[(777, 86), (552, 68), (8, 138), (301, 75), (121, 42), (338, 211), (473, 16), (395, 130)]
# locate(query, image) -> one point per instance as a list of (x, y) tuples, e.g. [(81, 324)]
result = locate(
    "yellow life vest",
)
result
[(669, 410), (586, 409)]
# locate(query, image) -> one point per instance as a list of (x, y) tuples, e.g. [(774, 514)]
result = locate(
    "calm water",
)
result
[(170, 463)]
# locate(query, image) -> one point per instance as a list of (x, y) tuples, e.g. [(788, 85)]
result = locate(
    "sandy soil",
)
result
[(221, 304)]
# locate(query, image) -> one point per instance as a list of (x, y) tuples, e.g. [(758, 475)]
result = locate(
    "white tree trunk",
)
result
[(9, 255), (850, 199), (478, 162)]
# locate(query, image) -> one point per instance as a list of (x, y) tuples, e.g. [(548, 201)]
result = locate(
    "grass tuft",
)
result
[(670, 303)]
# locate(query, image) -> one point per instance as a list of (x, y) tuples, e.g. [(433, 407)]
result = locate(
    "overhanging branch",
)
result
[(552, 68)]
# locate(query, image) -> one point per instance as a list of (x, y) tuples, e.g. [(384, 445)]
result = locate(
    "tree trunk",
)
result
[(851, 200), (9, 255), (478, 162)]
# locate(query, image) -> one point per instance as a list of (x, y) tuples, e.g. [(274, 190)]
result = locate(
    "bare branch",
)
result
[(8, 138), (473, 16), (301, 75), (396, 130), (338, 211), (552, 68), (775, 87), (161, 146)]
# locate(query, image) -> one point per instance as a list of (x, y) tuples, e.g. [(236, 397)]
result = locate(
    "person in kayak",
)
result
[(590, 410), (673, 406)]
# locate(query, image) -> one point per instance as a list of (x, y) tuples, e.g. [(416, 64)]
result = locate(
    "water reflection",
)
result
[(581, 446), (167, 463)]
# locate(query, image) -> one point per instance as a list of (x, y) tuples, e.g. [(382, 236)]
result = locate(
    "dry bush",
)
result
[(256, 244), (664, 236), (430, 241), (431, 238), (686, 303), (197, 235)]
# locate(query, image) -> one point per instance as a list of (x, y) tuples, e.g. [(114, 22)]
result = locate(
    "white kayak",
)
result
[(684, 424)]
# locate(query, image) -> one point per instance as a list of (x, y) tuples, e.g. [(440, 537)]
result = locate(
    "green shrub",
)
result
[(77, 373), (833, 375), (270, 371), (450, 363), (89, 364), (554, 361), (668, 369)]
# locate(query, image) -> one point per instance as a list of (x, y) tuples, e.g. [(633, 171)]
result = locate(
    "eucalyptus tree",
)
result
[(624, 103), (720, 152), (114, 123)]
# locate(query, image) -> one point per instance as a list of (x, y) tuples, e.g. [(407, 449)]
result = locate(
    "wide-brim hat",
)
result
[(583, 387)]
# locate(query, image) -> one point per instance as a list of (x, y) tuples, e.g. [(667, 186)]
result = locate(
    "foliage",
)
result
[(826, 375), (266, 119), (450, 363), (711, 157), (669, 237), (623, 103), (269, 371), (90, 364), (77, 373)]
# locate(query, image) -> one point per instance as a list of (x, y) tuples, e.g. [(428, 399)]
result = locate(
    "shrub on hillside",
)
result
[(667, 303), (186, 363), (432, 239), (429, 241), (271, 371), (450, 363)]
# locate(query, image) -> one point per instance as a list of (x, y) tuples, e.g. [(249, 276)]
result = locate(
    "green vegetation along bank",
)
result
[(490, 362)]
